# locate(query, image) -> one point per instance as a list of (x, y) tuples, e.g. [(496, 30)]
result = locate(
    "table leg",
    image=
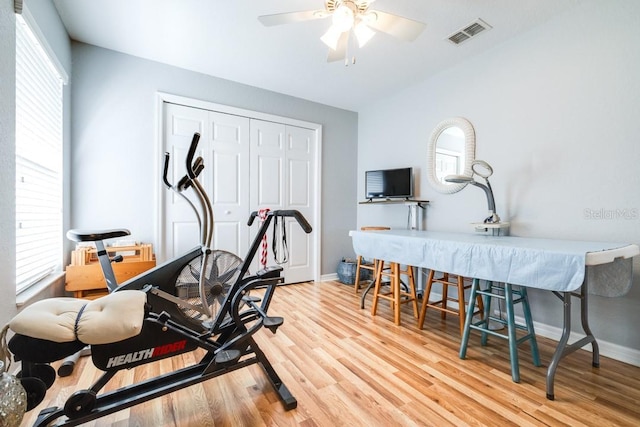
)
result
[(584, 317), (563, 349)]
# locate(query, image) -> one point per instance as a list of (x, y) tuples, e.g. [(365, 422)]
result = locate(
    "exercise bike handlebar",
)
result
[(165, 171), (192, 152), (286, 213), (185, 181)]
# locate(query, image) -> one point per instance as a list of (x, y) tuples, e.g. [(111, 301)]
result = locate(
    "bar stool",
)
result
[(363, 265), (447, 280), (511, 297), (396, 294)]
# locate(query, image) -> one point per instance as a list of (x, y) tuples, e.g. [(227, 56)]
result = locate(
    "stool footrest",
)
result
[(500, 320), (437, 305), (403, 297), (500, 335)]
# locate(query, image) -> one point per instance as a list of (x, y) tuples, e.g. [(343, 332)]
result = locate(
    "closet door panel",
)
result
[(300, 149), (229, 186), (267, 161), (180, 231)]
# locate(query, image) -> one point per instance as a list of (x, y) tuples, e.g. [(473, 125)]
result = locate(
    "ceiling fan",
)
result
[(352, 21)]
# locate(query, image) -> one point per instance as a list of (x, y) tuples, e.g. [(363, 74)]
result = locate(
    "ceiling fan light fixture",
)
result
[(331, 37), (343, 18), (363, 33)]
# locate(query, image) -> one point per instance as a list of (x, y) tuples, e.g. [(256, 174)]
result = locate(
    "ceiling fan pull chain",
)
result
[(351, 47)]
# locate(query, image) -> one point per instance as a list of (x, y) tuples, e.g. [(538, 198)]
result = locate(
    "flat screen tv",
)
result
[(389, 184)]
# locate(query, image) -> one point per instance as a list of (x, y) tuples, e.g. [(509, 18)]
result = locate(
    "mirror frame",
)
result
[(469, 153)]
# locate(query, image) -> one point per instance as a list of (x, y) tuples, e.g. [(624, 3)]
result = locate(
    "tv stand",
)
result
[(406, 201), (414, 221)]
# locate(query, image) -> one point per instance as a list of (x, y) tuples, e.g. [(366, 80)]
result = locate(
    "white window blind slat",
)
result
[(38, 161)]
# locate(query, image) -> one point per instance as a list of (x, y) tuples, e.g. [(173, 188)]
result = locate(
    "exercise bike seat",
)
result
[(94, 235), (47, 329)]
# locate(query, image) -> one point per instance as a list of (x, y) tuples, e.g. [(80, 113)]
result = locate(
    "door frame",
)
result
[(160, 191)]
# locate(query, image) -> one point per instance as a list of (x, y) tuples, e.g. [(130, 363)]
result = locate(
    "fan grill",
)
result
[(469, 31), (221, 273)]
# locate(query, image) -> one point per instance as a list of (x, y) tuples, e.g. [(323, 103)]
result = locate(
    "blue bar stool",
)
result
[(511, 297)]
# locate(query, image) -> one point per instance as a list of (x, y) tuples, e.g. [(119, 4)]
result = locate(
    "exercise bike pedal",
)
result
[(251, 298), (35, 390), (227, 357), (272, 323)]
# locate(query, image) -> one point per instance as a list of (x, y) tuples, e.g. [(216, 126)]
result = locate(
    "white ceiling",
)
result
[(223, 38)]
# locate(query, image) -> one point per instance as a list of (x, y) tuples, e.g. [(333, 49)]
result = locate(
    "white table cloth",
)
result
[(556, 265)]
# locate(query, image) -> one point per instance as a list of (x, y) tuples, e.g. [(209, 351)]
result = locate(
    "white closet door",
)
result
[(282, 159), (180, 231), (300, 159), (224, 147), (249, 164)]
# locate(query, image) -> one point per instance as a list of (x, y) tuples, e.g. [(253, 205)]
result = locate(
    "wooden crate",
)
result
[(84, 276)]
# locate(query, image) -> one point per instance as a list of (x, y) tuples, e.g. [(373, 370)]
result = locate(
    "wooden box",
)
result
[(84, 275)]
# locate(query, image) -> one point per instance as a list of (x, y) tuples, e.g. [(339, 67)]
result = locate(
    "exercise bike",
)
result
[(202, 299)]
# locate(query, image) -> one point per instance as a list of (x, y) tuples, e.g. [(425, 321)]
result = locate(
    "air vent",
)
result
[(469, 31)]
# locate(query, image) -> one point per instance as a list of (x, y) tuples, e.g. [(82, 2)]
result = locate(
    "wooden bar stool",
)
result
[(511, 297), (447, 280), (396, 295), (363, 265)]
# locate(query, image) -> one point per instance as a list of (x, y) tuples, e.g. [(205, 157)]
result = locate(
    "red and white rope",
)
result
[(262, 213)]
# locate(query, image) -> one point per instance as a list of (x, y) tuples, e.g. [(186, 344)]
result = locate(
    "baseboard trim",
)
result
[(329, 277), (607, 349)]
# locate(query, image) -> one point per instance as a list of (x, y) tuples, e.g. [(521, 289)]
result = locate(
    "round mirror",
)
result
[(451, 150)]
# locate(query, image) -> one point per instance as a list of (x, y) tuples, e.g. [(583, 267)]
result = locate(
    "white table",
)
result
[(550, 264)]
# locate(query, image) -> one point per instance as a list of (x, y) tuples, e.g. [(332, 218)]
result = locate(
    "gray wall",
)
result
[(556, 114), (114, 133)]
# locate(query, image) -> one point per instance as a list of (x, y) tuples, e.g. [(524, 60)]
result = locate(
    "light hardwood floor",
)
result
[(347, 368)]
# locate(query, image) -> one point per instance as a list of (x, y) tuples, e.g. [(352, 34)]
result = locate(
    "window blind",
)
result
[(38, 160)]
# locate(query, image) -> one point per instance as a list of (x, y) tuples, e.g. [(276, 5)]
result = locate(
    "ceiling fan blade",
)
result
[(340, 52), (394, 25), (291, 17)]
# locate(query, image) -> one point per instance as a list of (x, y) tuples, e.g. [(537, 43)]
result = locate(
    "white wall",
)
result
[(115, 166), (556, 113)]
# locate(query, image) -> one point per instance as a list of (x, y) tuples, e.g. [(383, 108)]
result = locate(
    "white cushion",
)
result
[(108, 319)]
